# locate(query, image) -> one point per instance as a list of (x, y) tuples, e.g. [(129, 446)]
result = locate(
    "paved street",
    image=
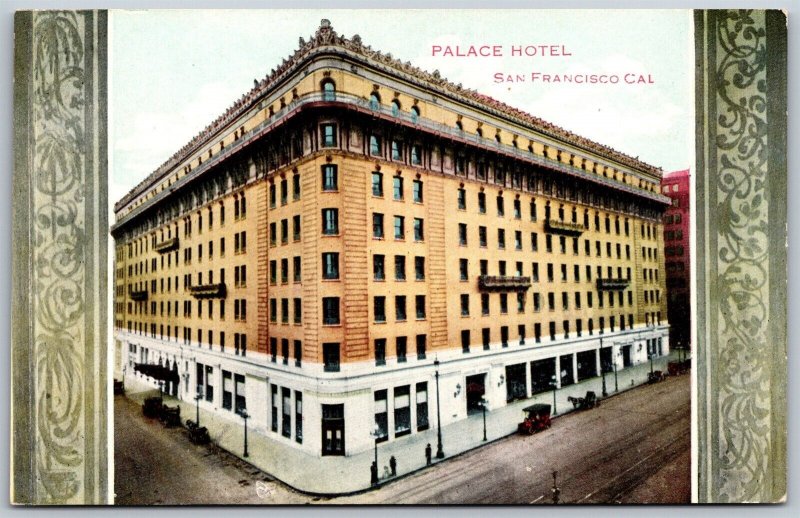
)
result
[(634, 448), (157, 465)]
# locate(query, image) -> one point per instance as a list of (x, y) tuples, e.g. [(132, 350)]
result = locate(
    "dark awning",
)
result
[(158, 372)]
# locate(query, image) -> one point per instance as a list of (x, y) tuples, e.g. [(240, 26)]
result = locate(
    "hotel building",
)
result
[(354, 226)]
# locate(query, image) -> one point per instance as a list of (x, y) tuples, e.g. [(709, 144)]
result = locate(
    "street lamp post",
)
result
[(603, 368), (376, 434), (483, 408), (616, 382), (650, 354), (245, 416), (554, 382), (439, 450), (197, 399)]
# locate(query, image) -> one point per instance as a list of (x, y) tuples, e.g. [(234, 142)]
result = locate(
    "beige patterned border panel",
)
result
[(60, 229)]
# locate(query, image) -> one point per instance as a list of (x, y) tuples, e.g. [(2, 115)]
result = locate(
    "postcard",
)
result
[(399, 257)]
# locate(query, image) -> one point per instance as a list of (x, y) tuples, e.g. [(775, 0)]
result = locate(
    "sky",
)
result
[(173, 72)]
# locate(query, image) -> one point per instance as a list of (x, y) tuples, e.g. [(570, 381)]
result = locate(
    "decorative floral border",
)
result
[(738, 210), (60, 256)]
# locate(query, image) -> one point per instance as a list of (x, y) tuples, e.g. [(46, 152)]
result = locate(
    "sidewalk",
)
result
[(343, 475)]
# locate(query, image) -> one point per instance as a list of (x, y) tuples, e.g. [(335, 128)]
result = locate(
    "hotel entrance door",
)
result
[(333, 429)]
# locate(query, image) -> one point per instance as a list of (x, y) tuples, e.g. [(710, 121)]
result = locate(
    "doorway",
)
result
[(333, 429), (626, 356), (476, 388), (516, 381)]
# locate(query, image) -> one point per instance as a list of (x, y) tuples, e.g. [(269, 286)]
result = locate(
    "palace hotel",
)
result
[(354, 230)]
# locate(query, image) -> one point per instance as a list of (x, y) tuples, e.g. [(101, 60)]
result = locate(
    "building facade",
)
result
[(676, 186), (354, 230)]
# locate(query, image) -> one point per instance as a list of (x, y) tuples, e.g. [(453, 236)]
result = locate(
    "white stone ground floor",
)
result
[(310, 428)]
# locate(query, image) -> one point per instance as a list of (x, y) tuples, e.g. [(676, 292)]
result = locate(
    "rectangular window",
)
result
[(402, 411), (379, 308), (465, 340), (537, 302), (298, 274), (400, 307), (298, 311), (484, 304), (397, 187), (285, 311), (296, 228), (330, 178), (375, 146), (501, 238), (419, 268), (330, 221), (380, 351), (463, 269), (400, 347), (377, 225), (298, 353), (284, 271), (422, 406), (298, 416), (422, 341), (420, 306), (328, 135), (417, 191), (419, 229), (285, 351), (399, 227), (485, 338), (400, 267), (462, 199), (330, 355), (330, 265), (520, 302), (482, 203), (416, 155), (504, 303), (330, 310), (464, 304), (504, 336), (378, 270), (377, 184), (500, 206), (397, 150)]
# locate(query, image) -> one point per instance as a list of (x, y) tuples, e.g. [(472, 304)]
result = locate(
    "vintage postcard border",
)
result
[(59, 349)]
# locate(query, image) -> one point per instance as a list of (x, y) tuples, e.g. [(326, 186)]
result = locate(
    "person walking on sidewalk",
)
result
[(428, 454), (373, 470), (393, 465)]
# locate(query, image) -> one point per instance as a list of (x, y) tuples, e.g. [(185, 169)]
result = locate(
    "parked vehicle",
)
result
[(656, 376), (584, 403), (197, 434), (119, 388), (152, 407), (170, 416), (679, 367), (537, 418)]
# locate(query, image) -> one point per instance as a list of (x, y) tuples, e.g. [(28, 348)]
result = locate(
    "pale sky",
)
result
[(173, 72)]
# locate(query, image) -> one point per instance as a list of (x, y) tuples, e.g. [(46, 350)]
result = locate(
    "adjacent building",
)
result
[(675, 185), (354, 226)]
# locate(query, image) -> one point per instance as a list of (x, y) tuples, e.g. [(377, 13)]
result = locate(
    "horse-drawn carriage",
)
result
[(656, 376), (584, 403), (197, 434), (679, 367), (537, 418)]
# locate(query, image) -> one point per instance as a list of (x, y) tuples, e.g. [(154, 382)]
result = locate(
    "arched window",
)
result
[(328, 91), (395, 108), (374, 101), (414, 114)]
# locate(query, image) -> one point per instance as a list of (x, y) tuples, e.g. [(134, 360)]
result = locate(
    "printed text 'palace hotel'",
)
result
[(353, 225)]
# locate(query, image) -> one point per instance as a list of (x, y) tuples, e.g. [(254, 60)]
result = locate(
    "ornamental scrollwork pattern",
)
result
[(58, 255), (743, 396)]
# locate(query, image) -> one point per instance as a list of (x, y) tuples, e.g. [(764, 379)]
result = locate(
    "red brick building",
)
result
[(676, 249)]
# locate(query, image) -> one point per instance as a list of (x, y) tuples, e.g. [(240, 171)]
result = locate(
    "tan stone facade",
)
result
[(350, 220)]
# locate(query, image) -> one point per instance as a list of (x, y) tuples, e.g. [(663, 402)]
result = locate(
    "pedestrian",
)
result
[(374, 473), (393, 465), (428, 454)]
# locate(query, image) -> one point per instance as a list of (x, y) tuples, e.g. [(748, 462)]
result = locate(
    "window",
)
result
[(328, 135), (517, 240), (462, 199), (401, 344), (285, 351), (419, 268), (520, 302), (463, 269), (297, 269), (417, 190), (399, 268), (378, 270), (420, 306), (537, 303), (328, 91), (330, 265), (534, 241), (330, 177), (551, 301), (504, 336), (485, 338), (517, 209), (501, 238), (521, 332), (419, 230), (484, 267), (464, 305), (330, 221), (330, 310), (374, 145), (330, 354), (416, 153), (380, 351), (399, 227), (377, 184), (504, 303), (284, 231), (484, 303), (482, 202), (284, 311), (397, 187), (402, 411), (481, 236), (379, 307), (296, 228), (374, 101), (284, 271), (500, 207), (377, 225), (397, 150), (465, 340)]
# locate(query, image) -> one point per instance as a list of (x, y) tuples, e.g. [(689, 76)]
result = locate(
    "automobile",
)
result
[(537, 418)]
